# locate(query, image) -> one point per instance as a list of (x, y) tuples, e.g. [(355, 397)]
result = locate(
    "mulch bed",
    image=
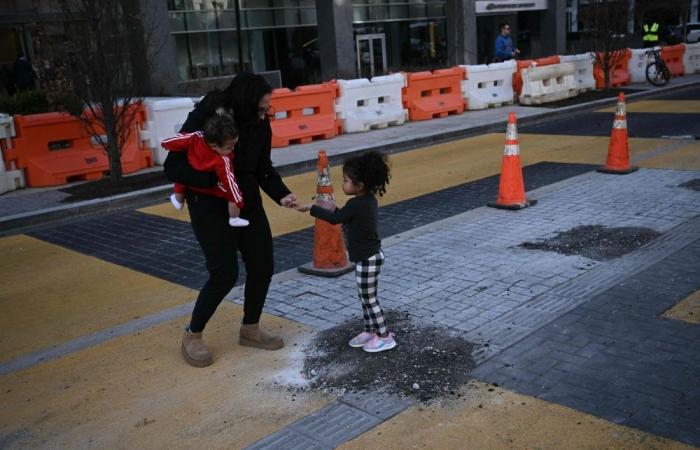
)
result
[(596, 242), (429, 362), (105, 188)]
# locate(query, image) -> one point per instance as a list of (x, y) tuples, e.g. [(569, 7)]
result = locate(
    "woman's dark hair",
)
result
[(241, 96), (219, 128), (371, 169)]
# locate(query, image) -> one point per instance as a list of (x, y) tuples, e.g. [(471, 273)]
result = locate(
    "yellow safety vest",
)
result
[(650, 33)]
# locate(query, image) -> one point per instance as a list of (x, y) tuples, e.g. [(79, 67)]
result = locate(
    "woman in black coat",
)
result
[(247, 99)]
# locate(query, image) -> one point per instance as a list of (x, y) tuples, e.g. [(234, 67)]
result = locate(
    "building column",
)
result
[(694, 11), (553, 22), (461, 32), (160, 48), (336, 39)]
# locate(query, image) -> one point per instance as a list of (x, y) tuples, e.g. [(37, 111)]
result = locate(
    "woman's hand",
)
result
[(289, 201), (303, 208)]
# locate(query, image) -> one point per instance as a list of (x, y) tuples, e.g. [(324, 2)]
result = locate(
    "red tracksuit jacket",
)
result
[(202, 157)]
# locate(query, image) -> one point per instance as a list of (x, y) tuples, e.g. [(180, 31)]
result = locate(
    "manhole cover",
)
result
[(596, 241), (429, 362), (693, 184)]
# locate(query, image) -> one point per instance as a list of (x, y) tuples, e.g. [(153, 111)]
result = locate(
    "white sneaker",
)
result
[(175, 202), (238, 222), (361, 339), (380, 344)]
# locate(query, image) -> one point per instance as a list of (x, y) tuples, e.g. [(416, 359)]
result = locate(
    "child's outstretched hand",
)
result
[(303, 208), (326, 205)]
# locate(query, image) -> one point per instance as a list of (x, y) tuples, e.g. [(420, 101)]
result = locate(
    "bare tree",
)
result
[(104, 62), (605, 23)]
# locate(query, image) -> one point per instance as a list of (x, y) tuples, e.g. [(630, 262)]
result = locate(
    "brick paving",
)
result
[(166, 248), (568, 329)]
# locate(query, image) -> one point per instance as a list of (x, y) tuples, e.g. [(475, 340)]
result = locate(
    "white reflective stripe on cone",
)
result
[(620, 124), (620, 109), (512, 150), (512, 131)]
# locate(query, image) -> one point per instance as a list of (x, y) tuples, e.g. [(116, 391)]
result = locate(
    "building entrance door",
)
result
[(371, 55)]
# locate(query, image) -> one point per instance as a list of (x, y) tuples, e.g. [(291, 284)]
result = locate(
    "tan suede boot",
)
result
[(195, 351), (252, 336)]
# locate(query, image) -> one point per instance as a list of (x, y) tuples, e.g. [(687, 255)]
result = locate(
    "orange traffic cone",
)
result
[(511, 188), (619, 149), (330, 257)]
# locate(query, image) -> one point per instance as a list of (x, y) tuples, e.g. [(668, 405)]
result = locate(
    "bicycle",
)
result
[(657, 71)]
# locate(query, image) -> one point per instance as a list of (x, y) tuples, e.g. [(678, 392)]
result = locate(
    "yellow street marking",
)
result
[(660, 106), (687, 310), (50, 295), (682, 157), (503, 420), (136, 391), (425, 170)]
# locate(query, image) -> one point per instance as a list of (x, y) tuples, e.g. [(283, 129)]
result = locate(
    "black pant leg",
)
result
[(218, 240), (255, 245)]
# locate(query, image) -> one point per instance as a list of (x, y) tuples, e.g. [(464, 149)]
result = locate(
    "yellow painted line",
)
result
[(136, 391), (684, 157), (687, 310), (503, 420), (50, 295), (437, 167), (660, 106)]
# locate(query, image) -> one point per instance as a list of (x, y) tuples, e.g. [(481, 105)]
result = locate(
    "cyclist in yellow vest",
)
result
[(651, 34)]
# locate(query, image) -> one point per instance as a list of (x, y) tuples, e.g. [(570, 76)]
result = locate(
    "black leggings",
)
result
[(220, 243)]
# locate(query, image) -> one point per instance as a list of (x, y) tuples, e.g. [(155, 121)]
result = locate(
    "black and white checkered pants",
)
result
[(367, 276)]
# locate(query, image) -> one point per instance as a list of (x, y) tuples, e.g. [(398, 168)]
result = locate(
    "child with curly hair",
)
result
[(364, 177)]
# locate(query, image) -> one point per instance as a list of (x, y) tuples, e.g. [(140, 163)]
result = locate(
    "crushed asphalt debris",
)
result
[(429, 362), (596, 242)]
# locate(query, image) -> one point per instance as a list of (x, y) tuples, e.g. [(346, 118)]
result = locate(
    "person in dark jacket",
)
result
[(247, 99)]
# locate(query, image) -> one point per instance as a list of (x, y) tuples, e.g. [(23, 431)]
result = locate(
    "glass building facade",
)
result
[(221, 38), (414, 35)]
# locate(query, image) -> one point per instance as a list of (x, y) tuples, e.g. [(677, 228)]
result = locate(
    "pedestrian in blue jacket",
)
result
[(504, 45)]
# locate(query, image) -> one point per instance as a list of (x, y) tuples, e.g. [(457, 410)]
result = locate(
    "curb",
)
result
[(19, 222)]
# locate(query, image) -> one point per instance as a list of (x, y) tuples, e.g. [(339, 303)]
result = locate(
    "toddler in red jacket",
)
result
[(211, 150)]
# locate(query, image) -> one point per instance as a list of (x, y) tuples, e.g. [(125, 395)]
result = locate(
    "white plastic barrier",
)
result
[(638, 64), (548, 84), (364, 105), (583, 70), (10, 178), (691, 58), (7, 129), (164, 118), (488, 85)]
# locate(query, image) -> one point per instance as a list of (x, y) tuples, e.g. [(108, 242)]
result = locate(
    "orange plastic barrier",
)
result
[(619, 73), (673, 57), (524, 64), (429, 95), (304, 115), (54, 149)]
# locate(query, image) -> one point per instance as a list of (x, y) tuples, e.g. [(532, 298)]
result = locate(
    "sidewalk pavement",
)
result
[(571, 330), (29, 207)]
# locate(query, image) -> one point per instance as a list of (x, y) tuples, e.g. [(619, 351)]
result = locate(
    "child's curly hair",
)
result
[(219, 128), (371, 169)]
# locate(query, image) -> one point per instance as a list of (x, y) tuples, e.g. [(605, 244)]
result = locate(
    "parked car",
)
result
[(692, 32)]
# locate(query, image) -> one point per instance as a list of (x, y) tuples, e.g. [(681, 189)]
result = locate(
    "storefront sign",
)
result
[(499, 6)]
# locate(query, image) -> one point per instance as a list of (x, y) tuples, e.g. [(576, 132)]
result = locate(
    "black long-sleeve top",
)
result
[(359, 218), (253, 166)]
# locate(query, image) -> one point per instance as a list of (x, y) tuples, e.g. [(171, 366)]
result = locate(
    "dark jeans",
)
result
[(220, 243)]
